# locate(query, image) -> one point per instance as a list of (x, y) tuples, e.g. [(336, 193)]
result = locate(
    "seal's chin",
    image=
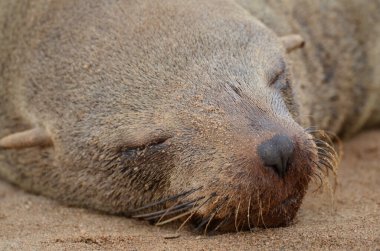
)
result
[(282, 214), (249, 216)]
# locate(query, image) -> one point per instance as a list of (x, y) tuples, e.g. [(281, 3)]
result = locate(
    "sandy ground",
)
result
[(349, 219)]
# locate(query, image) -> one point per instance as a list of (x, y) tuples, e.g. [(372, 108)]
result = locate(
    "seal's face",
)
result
[(224, 145)]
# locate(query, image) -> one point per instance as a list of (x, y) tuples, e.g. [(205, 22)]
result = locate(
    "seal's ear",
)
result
[(29, 138), (292, 42)]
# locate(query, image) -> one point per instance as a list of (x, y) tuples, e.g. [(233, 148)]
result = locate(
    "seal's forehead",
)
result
[(243, 38), (226, 27), (200, 47), (247, 36)]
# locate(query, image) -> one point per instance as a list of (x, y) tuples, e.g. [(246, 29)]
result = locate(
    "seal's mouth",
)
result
[(289, 201), (282, 214)]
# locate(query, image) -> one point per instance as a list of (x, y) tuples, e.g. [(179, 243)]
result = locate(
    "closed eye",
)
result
[(280, 80), (275, 79), (278, 74), (154, 146)]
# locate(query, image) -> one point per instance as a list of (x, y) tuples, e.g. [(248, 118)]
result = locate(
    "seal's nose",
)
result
[(277, 153)]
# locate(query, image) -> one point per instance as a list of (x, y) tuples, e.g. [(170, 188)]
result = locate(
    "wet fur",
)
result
[(155, 111)]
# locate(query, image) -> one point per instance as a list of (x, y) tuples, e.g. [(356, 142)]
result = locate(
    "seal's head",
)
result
[(213, 139), (188, 116)]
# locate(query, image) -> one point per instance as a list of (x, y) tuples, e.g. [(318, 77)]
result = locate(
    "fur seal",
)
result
[(182, 110)]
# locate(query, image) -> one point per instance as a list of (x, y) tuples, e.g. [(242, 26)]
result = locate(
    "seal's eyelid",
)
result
[(278, 72), (276, 77), (155, 144), (158, 141)]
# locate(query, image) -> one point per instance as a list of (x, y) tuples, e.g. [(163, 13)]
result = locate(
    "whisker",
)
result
[(158, 213), (194, 211), (174, 197), (317, 174), (228, 202), (204, 221), (312, 129), (208, 222), (213, 213), (221, 223), (320, 142), (191, 204), (172, 219), (320, 181), (174, 210), (191, 215), (261, 211), (327, 164), (249, 208), (324, 133), (326, 153), (319, 167), (236, 216)]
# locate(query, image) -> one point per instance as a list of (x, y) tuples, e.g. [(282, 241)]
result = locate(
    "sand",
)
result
[(348, 219)]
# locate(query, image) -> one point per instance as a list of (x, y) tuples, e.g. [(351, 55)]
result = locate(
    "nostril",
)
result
[(277, 153)]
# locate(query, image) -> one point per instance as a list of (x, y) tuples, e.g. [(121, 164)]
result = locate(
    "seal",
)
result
[(166, 111)]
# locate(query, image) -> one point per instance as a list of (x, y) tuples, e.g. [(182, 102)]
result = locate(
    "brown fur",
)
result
[(146, 100)]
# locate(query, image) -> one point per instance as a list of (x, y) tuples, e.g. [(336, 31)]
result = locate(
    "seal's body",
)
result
[(166, 110)]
